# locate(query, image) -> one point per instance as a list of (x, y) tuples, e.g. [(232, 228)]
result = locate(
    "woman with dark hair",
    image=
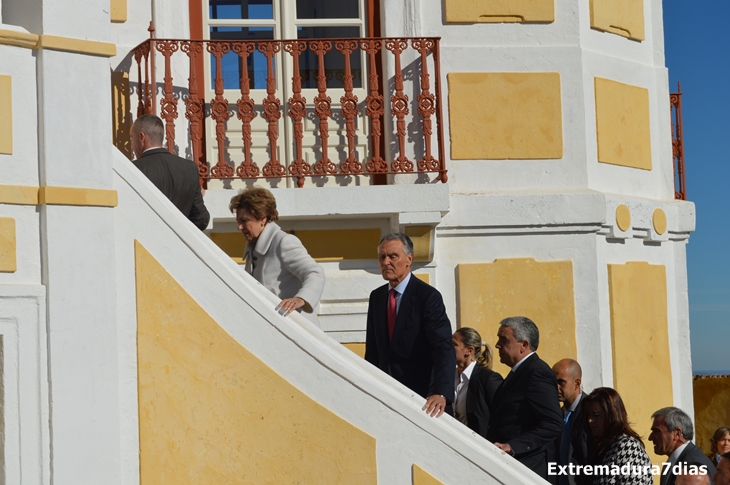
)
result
[(621, 453), (476, 382), (720, 443), (276, 259)]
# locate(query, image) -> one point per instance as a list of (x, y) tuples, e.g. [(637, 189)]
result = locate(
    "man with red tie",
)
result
[(408, 333)]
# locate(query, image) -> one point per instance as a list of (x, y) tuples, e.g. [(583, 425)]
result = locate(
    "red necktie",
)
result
[(392, 306)]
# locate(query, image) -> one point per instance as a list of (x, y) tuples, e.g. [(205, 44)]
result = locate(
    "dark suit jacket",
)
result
[(526, 414), (420, 355), (692, 455), (483, 384), (178, 179), (582, 448)]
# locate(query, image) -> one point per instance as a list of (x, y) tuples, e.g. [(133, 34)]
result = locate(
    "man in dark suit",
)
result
[(177, 178), (408, 333), (671, 432), (575, 445), (526, 418)]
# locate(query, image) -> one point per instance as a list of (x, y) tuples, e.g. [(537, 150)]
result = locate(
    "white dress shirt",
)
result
[(521, 361), (461, 386), (675, 454)]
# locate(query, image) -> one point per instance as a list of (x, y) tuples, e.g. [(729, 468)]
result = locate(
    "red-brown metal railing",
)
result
[(675, 101), (271, 109)]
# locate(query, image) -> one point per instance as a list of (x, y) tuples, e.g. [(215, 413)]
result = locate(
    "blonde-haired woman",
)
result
[(476, 382), (276, 259)]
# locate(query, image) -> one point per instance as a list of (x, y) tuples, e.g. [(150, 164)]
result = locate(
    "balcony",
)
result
[(383, 125)]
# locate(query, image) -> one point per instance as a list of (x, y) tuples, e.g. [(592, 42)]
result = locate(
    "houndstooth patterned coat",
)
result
[(627, 462)]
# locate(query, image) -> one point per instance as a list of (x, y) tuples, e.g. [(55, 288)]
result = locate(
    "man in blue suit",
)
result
[(408, 333)]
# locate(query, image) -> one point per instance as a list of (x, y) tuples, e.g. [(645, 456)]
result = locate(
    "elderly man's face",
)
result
[(665, 441), (394, 264), (510, 350), (722, 475)]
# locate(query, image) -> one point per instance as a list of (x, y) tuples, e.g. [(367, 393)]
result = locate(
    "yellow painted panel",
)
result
[(121, 113), (18, 39), (77, 196), (622, 124), (504, 115), (422, 477), (211, 412), (642, 371), (659, 220), (18, 194), (357, 347), (622, 17), (232, 243), (8, 261), (623, 217), (711, 398), (6, 115), (339, 244), (421, 237), (118, 10), (471, 11), (541, 291), (79, 46), (425, 277)]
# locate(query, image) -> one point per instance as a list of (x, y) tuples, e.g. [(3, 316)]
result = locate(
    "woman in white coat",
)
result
[(276, 259)]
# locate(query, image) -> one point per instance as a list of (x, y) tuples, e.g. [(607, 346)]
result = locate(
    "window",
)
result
[(259, 20)]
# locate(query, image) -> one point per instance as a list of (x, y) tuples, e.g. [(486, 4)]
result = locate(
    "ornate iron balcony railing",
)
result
[(409, 127)]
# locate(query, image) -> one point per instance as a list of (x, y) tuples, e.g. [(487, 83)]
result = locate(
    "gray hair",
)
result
[(675, 418), (398, 236), (524, 330), (151, 126)]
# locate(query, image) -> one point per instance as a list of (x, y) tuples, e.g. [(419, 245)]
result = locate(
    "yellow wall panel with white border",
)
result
[(422, 477), (622, 124), (496, 11), (8, 245), (211, 412), (118, 11), (6, 115), (642, 372), (505, 115), (539, 290), (357, 347), (621, 17)]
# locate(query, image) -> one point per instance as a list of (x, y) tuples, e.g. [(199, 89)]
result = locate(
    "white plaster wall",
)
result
[(78, 271), (26, 458), (21, 168), (75, 133), (317, 365), (579, 53)]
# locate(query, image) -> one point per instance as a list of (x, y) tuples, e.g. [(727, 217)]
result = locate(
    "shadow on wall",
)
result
[(711, 398), (121, 113)]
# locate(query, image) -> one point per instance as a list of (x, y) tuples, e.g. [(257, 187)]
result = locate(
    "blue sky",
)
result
[(697, 50)]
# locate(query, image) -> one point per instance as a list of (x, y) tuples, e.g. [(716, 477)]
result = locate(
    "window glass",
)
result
[(231, 62), (240, 9), (334, 61), (328, 9)]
